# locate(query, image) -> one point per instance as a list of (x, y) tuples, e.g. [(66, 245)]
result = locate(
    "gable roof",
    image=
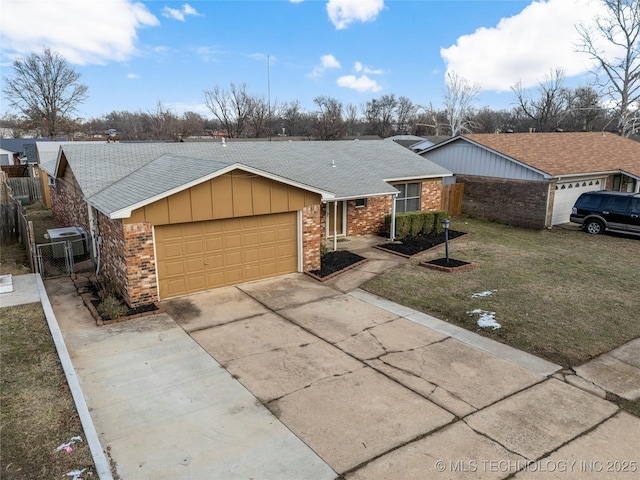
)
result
[(116, 178), (566, 153)]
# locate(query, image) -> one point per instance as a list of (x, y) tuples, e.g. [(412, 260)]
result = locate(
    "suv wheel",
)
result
[(594, 227)]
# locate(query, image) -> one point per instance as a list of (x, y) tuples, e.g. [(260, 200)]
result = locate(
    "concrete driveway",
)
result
[(381, 391)]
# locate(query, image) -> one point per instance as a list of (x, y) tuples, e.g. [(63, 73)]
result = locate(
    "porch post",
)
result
[(335, 226), (392, 233)]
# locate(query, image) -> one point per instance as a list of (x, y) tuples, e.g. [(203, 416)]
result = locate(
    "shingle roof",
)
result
[(117, 176), (567, 152)]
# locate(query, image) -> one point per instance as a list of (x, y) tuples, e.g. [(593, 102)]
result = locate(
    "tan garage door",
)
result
[(202, 255)]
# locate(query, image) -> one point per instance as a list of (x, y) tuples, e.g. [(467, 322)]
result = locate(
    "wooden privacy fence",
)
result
[(452, 198), (25, 189)]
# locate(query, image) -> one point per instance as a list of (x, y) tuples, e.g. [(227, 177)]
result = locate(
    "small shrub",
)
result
[(439, 215), (323, 249), (403, 225), (417, 224), (111, 307)]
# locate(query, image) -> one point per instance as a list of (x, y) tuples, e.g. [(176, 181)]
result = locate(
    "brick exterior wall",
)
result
[(368, 220), (514, 202), (312, 234), (127, 260), (431, 196), (142, 285), (67, 205)]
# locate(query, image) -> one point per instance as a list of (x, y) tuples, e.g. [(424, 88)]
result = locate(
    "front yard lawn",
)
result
[(560, 294)]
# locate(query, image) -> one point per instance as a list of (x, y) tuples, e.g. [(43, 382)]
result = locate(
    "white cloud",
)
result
[(179, 14), (209, 54), (80, 30), (358, 68), (327, 62), (524, 47), (344, 12), (133, 76), (360, 84)]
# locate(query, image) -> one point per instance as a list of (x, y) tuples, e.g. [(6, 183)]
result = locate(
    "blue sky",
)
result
[(134, 54)]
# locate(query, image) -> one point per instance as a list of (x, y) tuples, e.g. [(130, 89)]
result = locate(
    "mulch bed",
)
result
[(333, 263), (88, 291), (413, 245), (450, 265)]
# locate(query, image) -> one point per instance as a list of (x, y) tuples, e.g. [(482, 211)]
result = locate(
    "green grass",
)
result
[(563, 295), (36, 406)]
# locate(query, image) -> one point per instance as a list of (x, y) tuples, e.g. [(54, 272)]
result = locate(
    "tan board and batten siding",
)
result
[(231, 229)]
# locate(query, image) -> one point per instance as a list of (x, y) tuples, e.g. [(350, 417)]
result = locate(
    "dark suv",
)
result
[(600, 211)]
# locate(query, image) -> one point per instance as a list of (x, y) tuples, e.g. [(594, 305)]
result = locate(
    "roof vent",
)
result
[(333, 163), (224, 142)]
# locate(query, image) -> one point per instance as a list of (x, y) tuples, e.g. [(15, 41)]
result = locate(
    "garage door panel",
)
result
[(212, 243), (210, 254), (171, 251), (234, 275), (194, 265), (251, 255), (252, 271), (172, 268), (250, 239), (232, 241)]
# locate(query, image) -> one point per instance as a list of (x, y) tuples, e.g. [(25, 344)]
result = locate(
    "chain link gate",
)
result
[(62, 258)]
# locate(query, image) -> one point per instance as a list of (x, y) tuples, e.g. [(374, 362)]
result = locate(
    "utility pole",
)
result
[(269, 96)]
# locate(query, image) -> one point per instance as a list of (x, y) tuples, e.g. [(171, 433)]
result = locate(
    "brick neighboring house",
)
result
[(167, 219), (534, 179)]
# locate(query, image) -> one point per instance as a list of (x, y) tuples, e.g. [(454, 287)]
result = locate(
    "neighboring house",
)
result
[(417, 144), (533, 179), (8, 157), (167, 219)]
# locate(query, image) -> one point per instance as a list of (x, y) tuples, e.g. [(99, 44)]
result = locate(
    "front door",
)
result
[(335, 217)]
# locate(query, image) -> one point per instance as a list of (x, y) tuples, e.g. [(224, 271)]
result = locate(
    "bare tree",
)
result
[(192, 123), (458, 97), (329, 122), (231, 107), (620, 76), (380, 114), (352, 120), (429, 122), (258, 116), (548, 109), (585, 110), (162, 124), (405, 113), (291, 115), (46, 90)]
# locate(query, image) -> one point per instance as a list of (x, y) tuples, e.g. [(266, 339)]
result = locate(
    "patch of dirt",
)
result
[(333, 262), (414, 245)]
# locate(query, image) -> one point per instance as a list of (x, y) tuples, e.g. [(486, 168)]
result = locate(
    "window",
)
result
[(618, 204), (361, 202), (408, 200)]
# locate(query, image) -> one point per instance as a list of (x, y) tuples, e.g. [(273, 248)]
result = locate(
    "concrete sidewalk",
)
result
[(165, 409)]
